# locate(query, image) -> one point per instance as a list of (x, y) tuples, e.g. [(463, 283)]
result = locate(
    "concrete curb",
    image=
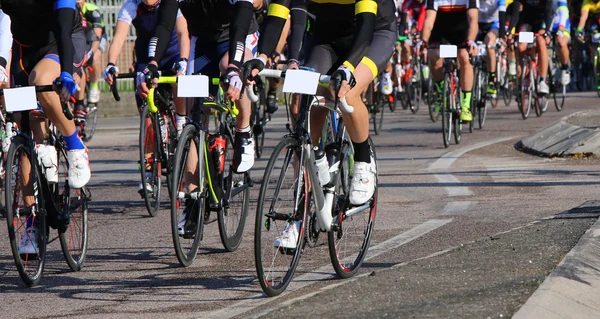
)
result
[(562, 139), (572, 290)]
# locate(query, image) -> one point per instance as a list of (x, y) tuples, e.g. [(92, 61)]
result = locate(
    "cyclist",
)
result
[(143, 14), (354, 44), (561, 26), (414, 18), (93, 24), (223, 34), (590, 24), (47, 50), (454, 21), (537, 15), (491, 12)]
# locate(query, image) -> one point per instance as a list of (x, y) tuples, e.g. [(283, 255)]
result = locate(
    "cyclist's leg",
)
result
[(243, 158), (490, 42), (562, 52), (323, 59), (274, 84)]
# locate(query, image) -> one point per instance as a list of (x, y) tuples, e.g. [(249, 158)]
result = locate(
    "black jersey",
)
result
[(33, 21), (210, 19)]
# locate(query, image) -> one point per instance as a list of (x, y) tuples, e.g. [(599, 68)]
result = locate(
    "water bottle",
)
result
[(322, 166), (47, 157), (216, 145)]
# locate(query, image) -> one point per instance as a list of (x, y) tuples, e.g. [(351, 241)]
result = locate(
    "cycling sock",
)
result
[(466, 96), (362, 151), (440, 86), (492, 77), (564, 66), (74, 142), (93, 85), (244, 132)]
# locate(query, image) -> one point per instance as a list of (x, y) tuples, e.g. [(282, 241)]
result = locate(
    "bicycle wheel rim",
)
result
[(232, 216), (275, 265), (525, 93), (446, 115), (347, 254), (73, 203), (149, 127), (90, 125), (29, 266), (186, 247)]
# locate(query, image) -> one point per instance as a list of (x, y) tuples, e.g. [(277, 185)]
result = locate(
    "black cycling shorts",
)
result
[(326, 56), (450, 28), (26, 57), (531, 20)]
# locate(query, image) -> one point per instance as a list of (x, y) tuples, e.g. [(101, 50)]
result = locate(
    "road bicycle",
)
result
[(157, 139), (292, 196), (479, 96), (375, 100), (557, 89), (87, 128), (451, 96), (260, 117), (527, 81), (34, 203), (204, 181)]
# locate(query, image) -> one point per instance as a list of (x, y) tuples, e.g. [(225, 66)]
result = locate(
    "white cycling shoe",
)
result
[(289, 236), (543, 88), (565, 77), (79, 168), (362, 186), (94, 95)]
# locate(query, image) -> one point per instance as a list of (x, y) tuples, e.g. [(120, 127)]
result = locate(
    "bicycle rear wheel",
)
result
[(351, 235), (150, 161), (234, 210), (507, 89), (558, 90), (446, 113), (188, 204), (431, 97), (26, 223), (73, 204), (482, 105), (88, 129), (282, 204), (475, 95), (526, 90), (457, 121)]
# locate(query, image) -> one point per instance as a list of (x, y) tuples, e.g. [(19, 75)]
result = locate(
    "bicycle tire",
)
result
[(150, 135), (446, 114), (74, 239), (231, 230), (271, 228), (89, 128), (431, 97), (525, 105), (381, 108), (558, 90), (19, 148), (508, 90), (342, 268), (188, 142), (482, 105), (457, 128), (475, 96)]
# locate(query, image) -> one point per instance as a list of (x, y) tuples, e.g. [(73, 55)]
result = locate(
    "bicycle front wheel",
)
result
[(446, 112), (27, 221), (188, 201), (351, 232), (150, 161), (73, 204), (281, 210), (527, 84), (236, 190)]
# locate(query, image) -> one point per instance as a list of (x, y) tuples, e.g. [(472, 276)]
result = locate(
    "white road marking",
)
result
[(458, 207), (444, 163), (325, 272)]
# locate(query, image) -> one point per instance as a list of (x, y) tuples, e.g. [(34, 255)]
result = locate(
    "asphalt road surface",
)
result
[(468, 232)]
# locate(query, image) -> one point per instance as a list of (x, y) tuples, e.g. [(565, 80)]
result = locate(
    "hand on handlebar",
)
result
[(472, 47), (252, 67), (65, 86), (146, 79), (234, 82), (343, 81), (110, 71)]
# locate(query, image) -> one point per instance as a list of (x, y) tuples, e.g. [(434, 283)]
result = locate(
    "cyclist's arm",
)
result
[(502, 17), (127, 13), (5, 39), (162, 34), (64, 14), (278, 13), (298, 28), (549, 13), (421, 20), (183, 36), (431, 13), (238, 30), (472, 18), (514, 19), (365, 14), (583, 18)]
